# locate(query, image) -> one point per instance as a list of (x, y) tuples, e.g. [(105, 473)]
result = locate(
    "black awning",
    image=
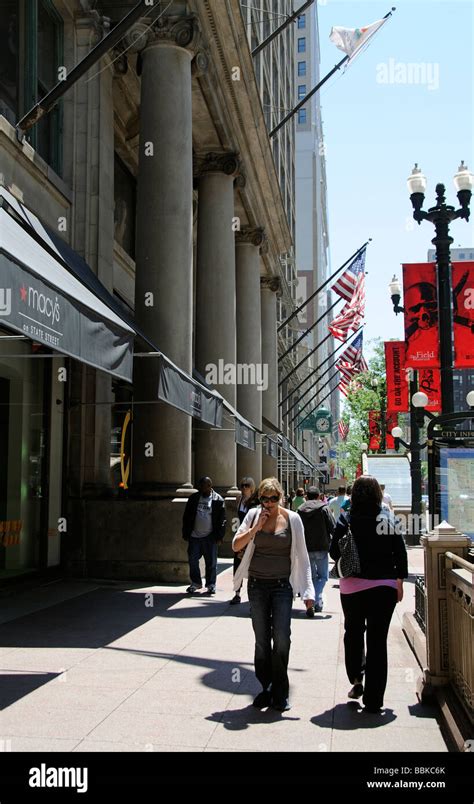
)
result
[(187, 394), (49, 305), (37, 264)]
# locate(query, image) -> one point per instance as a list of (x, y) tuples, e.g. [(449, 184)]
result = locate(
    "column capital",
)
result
[(213, 162), (91, 21), (180, 31), (254, 236), (272, 283)]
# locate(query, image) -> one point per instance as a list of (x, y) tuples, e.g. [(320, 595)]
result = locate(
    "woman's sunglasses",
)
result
[(245, 485), (274, 498)]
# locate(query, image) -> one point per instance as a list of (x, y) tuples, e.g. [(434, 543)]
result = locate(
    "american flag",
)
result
[(351, 315), (343, 428), (346, 285), (351, 362)]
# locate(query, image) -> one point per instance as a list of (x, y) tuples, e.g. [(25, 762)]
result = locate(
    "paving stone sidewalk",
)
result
[(95, 666)]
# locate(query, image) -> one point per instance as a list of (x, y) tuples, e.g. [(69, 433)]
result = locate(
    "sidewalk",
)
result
[(91, 666)]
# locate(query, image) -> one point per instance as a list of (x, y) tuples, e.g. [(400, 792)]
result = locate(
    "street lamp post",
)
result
[(415, 422), (441, 216), (418, 402)]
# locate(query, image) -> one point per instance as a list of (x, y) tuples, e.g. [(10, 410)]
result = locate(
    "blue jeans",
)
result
[(319, 572), (270, 608), (207, 547)]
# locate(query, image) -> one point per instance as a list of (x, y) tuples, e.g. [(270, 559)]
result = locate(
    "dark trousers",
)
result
[(368, 611), (207, 547), (270, 608)]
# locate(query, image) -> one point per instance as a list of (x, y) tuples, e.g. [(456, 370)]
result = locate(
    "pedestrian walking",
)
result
[(368, 600), (277, 565), (247, 500), (336, 503), (319, 524), (203, 528), (298, 500), (387, 499), (347, 504)]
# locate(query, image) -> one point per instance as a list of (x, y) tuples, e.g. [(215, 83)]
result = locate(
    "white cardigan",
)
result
[(300, 574)]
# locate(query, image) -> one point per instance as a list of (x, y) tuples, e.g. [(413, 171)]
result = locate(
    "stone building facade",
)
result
[(156, 168)]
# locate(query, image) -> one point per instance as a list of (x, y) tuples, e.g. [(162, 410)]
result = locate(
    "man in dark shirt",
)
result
[(203, 528), (318, 523)]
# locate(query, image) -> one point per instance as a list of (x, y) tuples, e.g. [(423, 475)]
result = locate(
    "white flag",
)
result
[(351, 40)]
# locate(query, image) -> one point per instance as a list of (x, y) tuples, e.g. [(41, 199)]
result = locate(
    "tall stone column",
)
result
[(164, 250), (269, 288), (88, 155), (249, 244), (215, 348)]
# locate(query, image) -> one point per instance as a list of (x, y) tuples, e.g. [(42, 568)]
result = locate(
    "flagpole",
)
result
[(317, 406), (46, 103), (307, 97), (293, 391), (310, 400), (306, 357), (281, 27), (298, 309), (318, 86), (307, 331)]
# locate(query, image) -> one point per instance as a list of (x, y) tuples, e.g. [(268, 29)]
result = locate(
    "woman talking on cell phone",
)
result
[(276, 563)]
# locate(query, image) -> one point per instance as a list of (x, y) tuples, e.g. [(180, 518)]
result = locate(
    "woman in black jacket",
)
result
[(368, 600)]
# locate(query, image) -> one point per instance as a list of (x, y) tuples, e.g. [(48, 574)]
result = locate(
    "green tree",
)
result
[(368, 392)]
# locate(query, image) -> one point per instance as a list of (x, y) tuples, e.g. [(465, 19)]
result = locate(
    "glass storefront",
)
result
[(23, 440)]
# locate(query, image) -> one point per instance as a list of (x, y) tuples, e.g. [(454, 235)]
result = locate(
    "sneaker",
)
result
[(211, 590), (281, 706), (318, 607), (263, 699), (235, 600), (372, 710), (357, 691), (193, 588), (310, 611)]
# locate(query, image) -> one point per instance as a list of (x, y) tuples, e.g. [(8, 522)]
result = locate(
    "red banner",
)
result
[(420, 301), (397, 385), (375, 436), (429, 381), (463, 314), (391, 421)]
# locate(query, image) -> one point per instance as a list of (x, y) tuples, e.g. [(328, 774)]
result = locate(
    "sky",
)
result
[(375, 129)]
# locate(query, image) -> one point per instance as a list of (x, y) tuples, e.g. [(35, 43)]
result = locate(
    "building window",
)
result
[(301, 91), (301, 68), (9, 60), (302, 44), (125, 195), (302, 116), (31, 51), (49, 49), (302, 21)]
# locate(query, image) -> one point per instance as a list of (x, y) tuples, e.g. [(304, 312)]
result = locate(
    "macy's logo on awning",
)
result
[(5, 301), (43, 304)]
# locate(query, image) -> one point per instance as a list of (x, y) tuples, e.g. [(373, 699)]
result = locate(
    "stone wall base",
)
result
[(131, 539)]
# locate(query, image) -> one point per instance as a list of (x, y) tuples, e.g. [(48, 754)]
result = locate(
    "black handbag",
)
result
[(348, 565)]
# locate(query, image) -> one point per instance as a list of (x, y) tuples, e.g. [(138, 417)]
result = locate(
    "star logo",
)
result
[(23, 293)]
